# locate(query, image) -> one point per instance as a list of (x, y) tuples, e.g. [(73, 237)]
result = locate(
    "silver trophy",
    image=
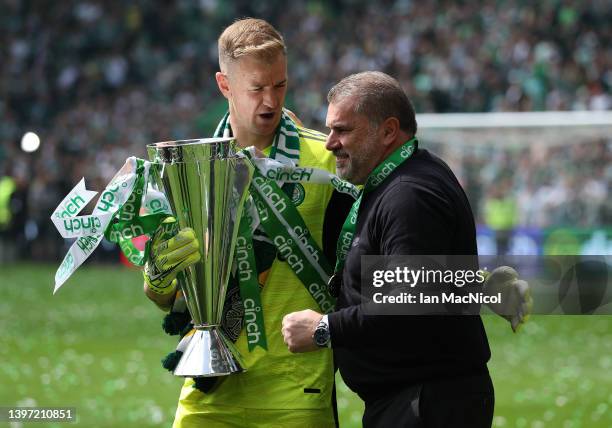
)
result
[(206, 185)]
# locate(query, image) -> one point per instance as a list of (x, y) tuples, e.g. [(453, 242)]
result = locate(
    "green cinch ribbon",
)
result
[(129, 223), (376, 177), (116, 216), (282, 223), (286, 148), (286, 228), (246, 269)]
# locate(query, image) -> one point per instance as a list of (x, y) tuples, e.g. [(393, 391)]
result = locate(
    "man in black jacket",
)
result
[(411, 371)]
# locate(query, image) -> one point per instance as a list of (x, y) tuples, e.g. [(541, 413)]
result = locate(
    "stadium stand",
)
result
[(98, 80)]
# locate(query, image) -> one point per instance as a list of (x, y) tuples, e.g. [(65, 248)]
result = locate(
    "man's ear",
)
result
[(390, 129), (223, 84)]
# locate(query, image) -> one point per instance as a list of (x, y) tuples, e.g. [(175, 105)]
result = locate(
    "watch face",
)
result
[(321, 336)]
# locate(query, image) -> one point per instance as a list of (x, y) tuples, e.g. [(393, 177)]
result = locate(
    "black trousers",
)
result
[(465, 402)]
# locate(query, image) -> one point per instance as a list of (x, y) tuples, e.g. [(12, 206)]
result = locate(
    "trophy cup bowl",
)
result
[(206, 185)]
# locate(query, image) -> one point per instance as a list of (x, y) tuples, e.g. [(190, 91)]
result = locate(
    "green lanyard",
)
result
[(376, 177), (286, 228)]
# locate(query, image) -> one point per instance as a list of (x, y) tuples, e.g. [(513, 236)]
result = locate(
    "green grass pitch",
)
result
[(97, 345)]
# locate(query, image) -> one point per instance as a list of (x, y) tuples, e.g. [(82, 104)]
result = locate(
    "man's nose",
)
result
[(271, 99), (332, 142)]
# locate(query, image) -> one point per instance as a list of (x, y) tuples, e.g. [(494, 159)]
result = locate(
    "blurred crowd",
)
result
[(98, 80), (536, 186)]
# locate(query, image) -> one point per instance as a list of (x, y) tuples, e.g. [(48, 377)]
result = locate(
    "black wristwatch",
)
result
[(322, 336)]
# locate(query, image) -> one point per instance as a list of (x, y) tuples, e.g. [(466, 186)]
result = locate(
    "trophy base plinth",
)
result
[(209, 353)]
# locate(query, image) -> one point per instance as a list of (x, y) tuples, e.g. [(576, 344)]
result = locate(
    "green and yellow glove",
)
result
[(516, 302), (170, 252)]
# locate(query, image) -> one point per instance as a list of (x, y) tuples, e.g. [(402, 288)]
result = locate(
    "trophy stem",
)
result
[(209, 353)]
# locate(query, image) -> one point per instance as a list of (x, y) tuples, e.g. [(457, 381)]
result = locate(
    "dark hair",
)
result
[(378, 96)]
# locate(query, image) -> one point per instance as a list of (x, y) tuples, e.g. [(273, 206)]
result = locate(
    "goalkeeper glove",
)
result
[(516, 302), (169, 254)]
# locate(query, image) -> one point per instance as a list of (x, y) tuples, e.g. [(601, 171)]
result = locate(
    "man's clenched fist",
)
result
[(298, 330)]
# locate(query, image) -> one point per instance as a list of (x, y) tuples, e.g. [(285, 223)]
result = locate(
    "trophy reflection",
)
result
[(206, 185)]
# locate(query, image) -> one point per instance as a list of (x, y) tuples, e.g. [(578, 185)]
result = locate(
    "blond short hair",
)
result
[(250, 37)]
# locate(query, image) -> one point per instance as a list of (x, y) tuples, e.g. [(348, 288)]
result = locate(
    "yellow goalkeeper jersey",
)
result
[(277, 379)]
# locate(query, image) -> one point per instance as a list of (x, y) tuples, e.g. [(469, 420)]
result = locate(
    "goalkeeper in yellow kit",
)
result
[(278, 388)]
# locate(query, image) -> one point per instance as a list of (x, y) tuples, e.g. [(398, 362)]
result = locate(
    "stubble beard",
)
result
[(358, 165)]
